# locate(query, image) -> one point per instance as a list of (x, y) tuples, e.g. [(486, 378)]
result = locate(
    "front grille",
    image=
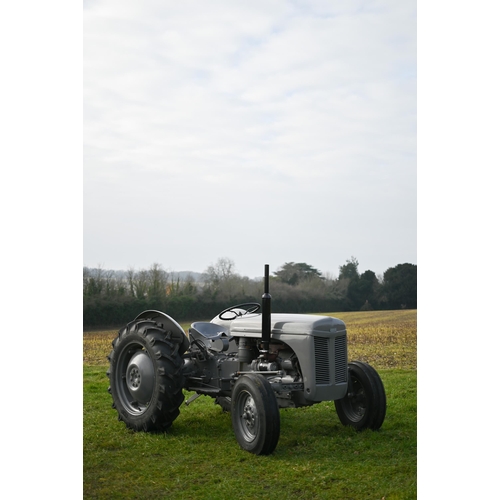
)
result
[(321, 351), (340, 359)]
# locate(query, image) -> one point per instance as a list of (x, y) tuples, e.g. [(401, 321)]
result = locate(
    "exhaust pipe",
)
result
[(266, 314)]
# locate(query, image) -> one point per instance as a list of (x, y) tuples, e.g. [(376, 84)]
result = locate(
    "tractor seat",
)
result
[(213, 333)]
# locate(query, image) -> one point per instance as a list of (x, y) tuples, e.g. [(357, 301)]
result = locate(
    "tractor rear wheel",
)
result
[(145, 376), (255, 414), (364, 405)]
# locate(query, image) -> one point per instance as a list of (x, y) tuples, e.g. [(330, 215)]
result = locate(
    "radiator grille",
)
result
[(321, 350), (340, 359)]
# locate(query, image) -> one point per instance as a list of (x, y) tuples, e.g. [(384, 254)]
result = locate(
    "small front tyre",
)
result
[(255, 414), (364, 405)]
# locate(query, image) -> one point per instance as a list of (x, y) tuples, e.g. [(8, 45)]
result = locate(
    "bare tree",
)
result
[(141, 284), (157, 281), (130, 281), (220, 271), (93, 281)]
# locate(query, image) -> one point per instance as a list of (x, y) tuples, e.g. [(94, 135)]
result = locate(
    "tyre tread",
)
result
[(376, 404), (164, 352)]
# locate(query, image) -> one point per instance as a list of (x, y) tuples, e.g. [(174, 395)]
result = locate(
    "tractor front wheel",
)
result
[(145, 376), (255, 414), (364, 405), (224, 402)]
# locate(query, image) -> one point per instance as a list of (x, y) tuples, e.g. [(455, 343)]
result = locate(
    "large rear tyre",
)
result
[(364, 405), (145, 375), (255, 414)]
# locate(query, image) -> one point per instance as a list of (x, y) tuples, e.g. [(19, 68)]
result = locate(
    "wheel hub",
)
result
[(357, 400), (140, 377), (249, 415)]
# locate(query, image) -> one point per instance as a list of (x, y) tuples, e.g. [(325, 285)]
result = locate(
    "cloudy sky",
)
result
[(265, 132)]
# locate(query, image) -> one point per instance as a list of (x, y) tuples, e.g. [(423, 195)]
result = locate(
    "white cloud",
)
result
[(226, 109)]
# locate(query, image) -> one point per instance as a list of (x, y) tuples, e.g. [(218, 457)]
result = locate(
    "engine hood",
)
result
[(294, 324)]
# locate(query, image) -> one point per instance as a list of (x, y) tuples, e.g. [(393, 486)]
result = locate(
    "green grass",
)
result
[(199, 457), (316, 457)]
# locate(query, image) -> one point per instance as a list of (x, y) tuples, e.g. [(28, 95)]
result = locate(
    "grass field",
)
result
[(316, 456)]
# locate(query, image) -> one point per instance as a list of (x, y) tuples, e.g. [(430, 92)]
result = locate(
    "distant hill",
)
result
[(183, 275), (172, 275)]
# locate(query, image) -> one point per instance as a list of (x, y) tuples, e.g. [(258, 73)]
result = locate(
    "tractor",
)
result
[(250, 361)]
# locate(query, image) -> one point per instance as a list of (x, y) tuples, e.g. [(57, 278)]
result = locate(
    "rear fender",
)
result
[(169, 324)]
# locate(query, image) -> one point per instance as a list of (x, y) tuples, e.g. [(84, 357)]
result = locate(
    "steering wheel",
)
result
[(249, 308)]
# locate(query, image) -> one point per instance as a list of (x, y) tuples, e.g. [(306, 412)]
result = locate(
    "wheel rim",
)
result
[(356, 402), (248, 419), (135, 379)]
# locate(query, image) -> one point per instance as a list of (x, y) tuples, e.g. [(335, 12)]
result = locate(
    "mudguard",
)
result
[(168, 324)]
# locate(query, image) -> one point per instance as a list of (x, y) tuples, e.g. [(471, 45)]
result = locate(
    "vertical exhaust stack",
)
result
[(266, 314)]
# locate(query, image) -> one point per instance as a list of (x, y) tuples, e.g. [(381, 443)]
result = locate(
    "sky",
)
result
[(263, 132)]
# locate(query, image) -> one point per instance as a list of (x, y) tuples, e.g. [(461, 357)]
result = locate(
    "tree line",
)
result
[(112, 299)]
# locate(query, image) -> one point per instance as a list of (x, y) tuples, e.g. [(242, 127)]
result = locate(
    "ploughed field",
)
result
[(384, 339)]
